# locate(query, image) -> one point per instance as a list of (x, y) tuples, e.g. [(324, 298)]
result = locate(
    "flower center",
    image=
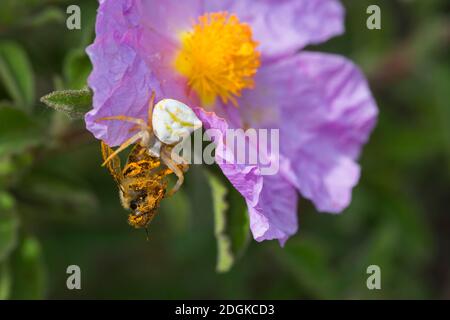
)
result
[(218, 57)]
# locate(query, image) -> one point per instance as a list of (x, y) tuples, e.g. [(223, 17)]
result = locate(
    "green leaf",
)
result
[(28, 271), (225, 258), (16, 74), (238, 221), (5, 280), (231, 224), (9, 224), (74, 103), (17, 131), (77, 68)]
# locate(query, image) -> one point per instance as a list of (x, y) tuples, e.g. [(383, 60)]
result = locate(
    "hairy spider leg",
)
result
[(138, 136), (172, 165), (139, 123), (151, 104), (180, 161)]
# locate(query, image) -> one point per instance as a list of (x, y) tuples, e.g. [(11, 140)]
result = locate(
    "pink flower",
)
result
[(215, 55)]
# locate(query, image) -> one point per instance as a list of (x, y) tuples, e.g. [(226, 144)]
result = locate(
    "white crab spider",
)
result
[(169, 122)]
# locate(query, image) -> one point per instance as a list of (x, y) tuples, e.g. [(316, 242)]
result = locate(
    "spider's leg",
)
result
[(136, 121), (179, 160), (173, 166), (150, 109), (124, 145), (134, 128)]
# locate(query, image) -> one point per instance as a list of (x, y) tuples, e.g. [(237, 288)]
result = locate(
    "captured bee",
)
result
[(143, 181)]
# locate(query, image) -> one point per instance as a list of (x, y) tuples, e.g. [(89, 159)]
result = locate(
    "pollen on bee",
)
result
[(137, 221)]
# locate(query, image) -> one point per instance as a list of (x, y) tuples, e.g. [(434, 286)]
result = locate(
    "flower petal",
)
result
[(132, 56), (246, 179), (121, 80), (271, 200), (163, 23), (275, 214), (170, 17), (325, 112), (285, 26)]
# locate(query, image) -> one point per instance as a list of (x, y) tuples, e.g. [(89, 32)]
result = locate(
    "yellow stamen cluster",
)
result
[(218, 57)]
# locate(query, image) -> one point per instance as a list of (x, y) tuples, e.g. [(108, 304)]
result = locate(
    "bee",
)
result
[(143, 181)]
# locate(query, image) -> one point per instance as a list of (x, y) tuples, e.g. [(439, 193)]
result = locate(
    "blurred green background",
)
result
[(58, 207)]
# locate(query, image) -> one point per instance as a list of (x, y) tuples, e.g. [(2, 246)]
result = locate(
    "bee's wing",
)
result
[(113, 165)]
